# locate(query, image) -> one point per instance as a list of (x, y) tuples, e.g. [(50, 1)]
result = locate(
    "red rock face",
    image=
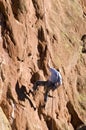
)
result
[(31, 33)]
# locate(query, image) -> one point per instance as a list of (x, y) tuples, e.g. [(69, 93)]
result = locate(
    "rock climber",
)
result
[(53, 82)]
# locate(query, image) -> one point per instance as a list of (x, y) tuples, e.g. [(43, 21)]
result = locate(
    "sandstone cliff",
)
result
[(31, 33)]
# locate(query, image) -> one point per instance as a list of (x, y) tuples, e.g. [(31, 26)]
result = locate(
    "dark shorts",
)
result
[(47, 84), (50, 85)]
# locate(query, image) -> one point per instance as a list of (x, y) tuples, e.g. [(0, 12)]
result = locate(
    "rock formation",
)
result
[(31, 33)]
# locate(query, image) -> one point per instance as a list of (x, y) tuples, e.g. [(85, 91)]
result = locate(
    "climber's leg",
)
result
[(46, 94), (36, 85), (39, 83)]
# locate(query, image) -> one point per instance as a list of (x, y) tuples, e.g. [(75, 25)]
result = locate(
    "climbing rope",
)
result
[(52, 110), (45, 19), (46, 30), (50, 56)]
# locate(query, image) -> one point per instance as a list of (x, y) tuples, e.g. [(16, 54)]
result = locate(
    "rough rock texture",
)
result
[(4, 124), (31, 33)]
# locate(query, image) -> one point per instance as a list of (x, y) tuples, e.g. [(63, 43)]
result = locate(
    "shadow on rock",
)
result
[(82, 127), (23, 94), (75, 119)]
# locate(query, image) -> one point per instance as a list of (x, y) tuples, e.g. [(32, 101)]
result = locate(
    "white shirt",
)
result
[(55, 76)]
